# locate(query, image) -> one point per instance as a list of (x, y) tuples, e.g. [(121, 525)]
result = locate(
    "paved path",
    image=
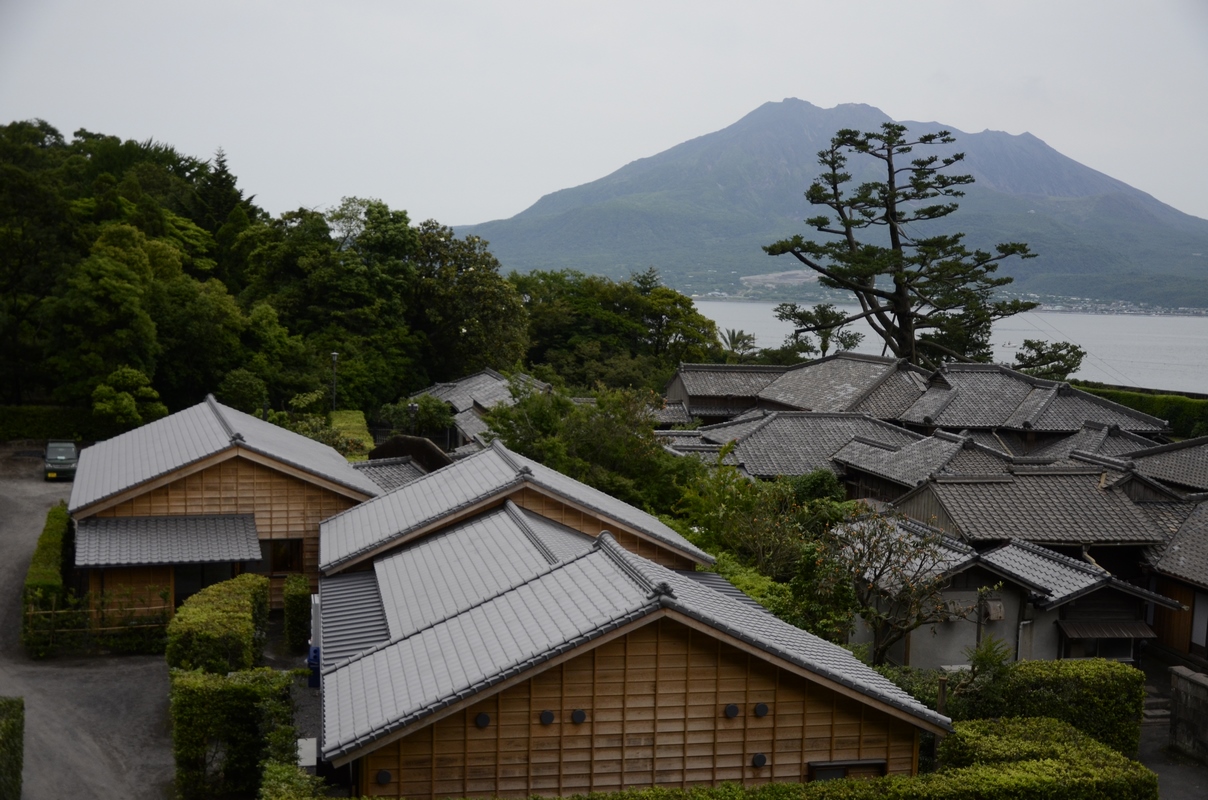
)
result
[(94, 727)]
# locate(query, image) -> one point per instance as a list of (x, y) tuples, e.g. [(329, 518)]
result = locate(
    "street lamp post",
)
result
[(413, 410), (334, 357)]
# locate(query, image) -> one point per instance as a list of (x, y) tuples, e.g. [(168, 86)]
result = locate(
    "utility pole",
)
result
[(334, 358)]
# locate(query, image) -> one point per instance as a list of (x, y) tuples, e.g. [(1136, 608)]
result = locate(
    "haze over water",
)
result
[(1157, 352)]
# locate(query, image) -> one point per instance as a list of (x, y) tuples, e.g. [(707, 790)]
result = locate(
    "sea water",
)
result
[(1157, 352)]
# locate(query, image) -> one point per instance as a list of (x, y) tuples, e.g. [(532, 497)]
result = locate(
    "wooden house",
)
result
[(201, 495), (497, 629), (1179, 569)]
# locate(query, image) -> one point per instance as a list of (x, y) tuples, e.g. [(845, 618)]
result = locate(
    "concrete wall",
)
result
[(1189, 712)]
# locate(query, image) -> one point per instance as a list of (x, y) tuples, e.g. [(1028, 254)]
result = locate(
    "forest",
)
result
[(138, 277)]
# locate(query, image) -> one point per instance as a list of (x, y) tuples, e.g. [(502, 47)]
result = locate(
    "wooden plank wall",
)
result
[(655, 715), (1174, 627), (285, 507), (586, 523), (133, 588)]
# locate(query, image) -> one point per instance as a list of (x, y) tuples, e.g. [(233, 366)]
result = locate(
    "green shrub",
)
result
[(53, 422), (352, 425), (12, 746), (1098, 697), (222, 628), (44, 578), (297, 612), (287, 781), (51, 620), (1184, 414), (223, 728)]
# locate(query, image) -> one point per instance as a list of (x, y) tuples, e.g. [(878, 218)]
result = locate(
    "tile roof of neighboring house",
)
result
[(719, 584), (1066, 506), (907, 464), (834, 383), (569, 605), (159, 448), (1185, 555), (379, 523), (726, 380), (1183, 463), (132, 541), (471, 426), (1055, 578), (994, 396), (799, 442), (390, 473), (672, 414), (352, 618), (895, 394), (977, 459), (1006, 442), (483, 389), (1094, 437)]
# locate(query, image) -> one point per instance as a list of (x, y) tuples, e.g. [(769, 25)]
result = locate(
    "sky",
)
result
[(470, 111)]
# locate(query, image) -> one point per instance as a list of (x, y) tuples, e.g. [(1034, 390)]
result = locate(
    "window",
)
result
[(277, 556), (860, 768)]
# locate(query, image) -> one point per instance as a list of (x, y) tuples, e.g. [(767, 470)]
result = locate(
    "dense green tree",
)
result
[(1053, 361), (242, 389), (470, 316), (917, 289), (609, 444), (126, 400), (589, 329)]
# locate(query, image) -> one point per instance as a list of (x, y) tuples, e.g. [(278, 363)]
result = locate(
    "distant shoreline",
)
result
[(1069, 307)]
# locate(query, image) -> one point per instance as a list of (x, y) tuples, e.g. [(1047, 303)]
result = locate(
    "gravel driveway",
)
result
[(94, 727)]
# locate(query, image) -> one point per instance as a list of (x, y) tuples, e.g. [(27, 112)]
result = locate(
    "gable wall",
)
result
[(584, 522), (926, 508), (654, 701), (285, 507)]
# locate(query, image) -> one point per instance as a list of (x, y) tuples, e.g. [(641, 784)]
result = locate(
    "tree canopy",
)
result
[(926, 294)]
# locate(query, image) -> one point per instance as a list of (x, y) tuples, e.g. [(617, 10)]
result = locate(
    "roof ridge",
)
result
[(1169, 447), (655, 588), (516, 514), (1054, 556), (216, 409)]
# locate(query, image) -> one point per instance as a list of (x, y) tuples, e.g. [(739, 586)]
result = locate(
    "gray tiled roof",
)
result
[(130, 541), (909, 464), (1056, 578), (978, 459), (443, 575), (485, 389), (726, 380), (1066, 507), (352, 616), (799, 442), (834, 383), (994, 396), (391, 473), (897, 393), (719, 584), (1183, 463), (1185, 556), (672, 414), (206, 429), (470, 425), (400, 683), (489, 473)]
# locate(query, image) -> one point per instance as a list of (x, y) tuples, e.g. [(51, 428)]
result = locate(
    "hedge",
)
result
[(52, 621), (53, 422), (222, 628), (1098, 697), (297, 612), (44, 578), (286, 781), (1186, 416), (12, 746), (225, 726)]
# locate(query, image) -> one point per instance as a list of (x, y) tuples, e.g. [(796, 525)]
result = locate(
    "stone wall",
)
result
[(1189, 712)]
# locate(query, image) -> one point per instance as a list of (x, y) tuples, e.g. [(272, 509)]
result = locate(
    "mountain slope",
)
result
[(701, 210)]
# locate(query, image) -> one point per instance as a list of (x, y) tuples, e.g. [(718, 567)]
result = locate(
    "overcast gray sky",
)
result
[(467, 112)]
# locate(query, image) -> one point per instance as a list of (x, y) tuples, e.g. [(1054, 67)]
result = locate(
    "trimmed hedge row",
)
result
[(1101, 698), (53, 422), (297, 612), (1186, 416), (224, 727), (44, 578), (222, 628), (12, 746)]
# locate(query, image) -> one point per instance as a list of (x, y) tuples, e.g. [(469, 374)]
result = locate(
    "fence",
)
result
[(112, 621), (1189, 712)]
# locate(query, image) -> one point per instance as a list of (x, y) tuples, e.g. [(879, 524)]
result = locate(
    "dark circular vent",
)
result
[(578, 716), (482, 720), (547, 718), (761, 709), (383, 777), (759, 760), (731, 711)]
